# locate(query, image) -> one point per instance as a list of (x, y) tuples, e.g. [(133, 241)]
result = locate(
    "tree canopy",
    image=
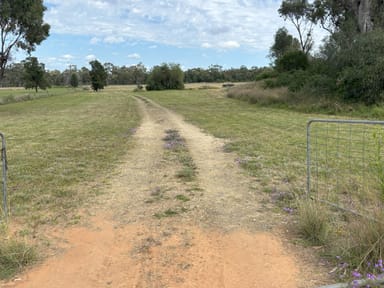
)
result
[(21, 27), (34, 74), (165, 76), (98, 75)]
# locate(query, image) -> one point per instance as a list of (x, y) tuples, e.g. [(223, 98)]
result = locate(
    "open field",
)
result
[(77, 157), (57, 142), (67, 166)]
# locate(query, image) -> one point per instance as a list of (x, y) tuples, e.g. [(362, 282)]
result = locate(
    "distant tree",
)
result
[(21, 27), (14, 75), (84, 76), (74, 81), (166, 76), (34, 74), (98, 75)]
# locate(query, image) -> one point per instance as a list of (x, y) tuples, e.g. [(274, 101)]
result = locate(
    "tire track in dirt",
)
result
[(218, 240)]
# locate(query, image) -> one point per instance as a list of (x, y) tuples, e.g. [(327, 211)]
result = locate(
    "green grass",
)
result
[(270, 142), (58, 144), (14, 256), (12, 95)]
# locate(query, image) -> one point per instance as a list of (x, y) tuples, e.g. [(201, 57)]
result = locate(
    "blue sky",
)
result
[(192, 33)]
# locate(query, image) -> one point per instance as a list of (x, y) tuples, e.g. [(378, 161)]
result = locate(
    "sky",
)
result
[(192, 33)]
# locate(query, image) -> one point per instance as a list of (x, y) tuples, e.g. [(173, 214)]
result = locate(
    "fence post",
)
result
[(4, 176)]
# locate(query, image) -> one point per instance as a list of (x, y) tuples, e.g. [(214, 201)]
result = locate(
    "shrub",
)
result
[(313, 222), (166, 76), (293, 60)]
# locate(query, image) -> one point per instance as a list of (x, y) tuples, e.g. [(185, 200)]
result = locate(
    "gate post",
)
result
[(4, 175)]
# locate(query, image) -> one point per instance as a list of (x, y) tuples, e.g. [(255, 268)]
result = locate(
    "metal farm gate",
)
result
[(4, 168), (345, 164)]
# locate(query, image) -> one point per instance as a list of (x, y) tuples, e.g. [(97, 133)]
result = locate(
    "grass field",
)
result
[(58, 142)]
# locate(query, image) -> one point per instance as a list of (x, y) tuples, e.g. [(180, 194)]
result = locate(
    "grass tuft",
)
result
[(14, 257), (313, 222)]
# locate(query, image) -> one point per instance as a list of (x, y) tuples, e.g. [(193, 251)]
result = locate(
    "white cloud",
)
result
[(229, 44), (189, 23), (67, 57), (134, 56), (206, 45), (90, 57), (114, 39), (95, 40)]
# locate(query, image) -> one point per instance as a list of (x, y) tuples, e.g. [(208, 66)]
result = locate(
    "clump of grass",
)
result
[(176, 144), (167, 213), (364, 242), (182, 198), (313, 221), (173, 140), (14, 257)]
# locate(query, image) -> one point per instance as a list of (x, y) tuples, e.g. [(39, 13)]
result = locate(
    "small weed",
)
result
[(187, 174), (167, 213), (182, 198)]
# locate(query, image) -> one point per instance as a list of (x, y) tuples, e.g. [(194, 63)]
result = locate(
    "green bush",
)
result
[(166, 76), (293, 60)]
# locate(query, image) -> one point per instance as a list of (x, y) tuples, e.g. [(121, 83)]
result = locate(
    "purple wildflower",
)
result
[(356, 274)]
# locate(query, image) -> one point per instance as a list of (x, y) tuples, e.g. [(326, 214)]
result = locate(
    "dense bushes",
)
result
[(166, 76), (345, 71)]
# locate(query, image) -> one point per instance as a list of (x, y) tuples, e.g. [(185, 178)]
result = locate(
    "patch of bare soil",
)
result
[(152, 229)]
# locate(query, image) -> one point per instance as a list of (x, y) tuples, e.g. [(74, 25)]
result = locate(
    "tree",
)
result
[(74, 81), (98, 75), (299, 13), (21, 27), (34, 74), (166, 76), (284, 42)]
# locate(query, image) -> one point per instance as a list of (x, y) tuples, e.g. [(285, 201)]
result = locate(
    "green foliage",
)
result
[(34, 74), (298, 12), (292, 60), (361, 78), (74, 81), (284, 42), (21, 26), (98, 75), (166, 76)]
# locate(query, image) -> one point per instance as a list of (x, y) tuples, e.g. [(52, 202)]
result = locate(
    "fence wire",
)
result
[(345, 164)]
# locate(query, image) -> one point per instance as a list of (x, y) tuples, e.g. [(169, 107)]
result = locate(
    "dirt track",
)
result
[(218, 237)]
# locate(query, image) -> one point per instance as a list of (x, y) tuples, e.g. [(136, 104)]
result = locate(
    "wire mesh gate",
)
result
[(345, 164), (4, 176)]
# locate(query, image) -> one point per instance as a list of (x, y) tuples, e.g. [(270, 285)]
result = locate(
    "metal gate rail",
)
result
[(4, 175)]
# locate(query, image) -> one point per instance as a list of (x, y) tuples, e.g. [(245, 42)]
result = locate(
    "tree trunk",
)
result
[(364, 14)]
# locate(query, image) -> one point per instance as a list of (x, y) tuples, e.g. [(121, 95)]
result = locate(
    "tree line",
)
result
[(18, 75)]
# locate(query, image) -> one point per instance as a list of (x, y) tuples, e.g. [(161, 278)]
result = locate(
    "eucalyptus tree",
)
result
[(21, 27)]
